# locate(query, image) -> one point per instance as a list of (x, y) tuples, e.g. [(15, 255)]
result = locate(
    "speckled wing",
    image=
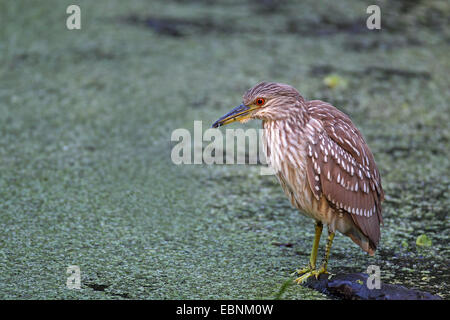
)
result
[(342, 168)]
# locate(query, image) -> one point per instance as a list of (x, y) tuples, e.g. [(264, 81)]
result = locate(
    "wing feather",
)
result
[(348, 175)]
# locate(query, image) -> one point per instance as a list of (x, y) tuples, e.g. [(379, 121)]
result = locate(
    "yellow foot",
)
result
[(306, 275), (305, 270)]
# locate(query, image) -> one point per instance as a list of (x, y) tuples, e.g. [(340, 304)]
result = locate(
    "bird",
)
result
[(322, 162)]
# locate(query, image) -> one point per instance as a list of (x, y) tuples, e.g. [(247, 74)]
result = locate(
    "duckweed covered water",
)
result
[(86, 118)]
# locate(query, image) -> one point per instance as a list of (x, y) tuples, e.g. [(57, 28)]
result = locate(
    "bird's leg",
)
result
[(323, 268), (313, 257), (312, 260)]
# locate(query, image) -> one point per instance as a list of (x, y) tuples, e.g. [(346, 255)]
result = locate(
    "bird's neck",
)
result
[(280, 134), (295, 117)]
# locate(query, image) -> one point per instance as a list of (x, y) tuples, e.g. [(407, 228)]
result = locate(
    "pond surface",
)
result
[(86, 176)]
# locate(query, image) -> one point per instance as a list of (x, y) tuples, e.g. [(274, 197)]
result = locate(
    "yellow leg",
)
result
[(315, 247), (323, 268), (327, 251)]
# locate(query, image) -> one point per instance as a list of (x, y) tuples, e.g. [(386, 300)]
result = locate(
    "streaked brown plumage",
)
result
[(321, 160)]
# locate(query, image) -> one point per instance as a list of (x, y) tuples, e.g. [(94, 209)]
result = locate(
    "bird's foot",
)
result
[(312, 272), (305, 270)]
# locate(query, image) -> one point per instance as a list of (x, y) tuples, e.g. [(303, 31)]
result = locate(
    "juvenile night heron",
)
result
[(322, 163)]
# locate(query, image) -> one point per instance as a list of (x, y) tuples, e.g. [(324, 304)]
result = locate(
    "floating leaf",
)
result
[(333, 81), (423, 241), (405, 244)]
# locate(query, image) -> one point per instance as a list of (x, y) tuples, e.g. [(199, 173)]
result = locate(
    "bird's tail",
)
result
[(363, 241)]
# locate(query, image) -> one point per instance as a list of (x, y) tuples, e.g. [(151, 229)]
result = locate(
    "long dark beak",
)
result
[(241, 112)]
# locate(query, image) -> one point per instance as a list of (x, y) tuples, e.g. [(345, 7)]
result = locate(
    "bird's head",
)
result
[(265, 101)]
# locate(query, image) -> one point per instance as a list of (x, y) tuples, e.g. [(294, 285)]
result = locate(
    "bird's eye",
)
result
[(260, 101)]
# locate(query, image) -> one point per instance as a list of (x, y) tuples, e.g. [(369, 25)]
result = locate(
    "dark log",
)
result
[(354, 287)]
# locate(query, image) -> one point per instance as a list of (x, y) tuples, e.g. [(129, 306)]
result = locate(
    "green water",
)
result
[(86, 117)]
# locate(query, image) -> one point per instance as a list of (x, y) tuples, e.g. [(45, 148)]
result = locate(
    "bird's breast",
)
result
[(285, 150)]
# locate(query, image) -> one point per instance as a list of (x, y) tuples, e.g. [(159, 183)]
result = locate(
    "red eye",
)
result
[(260, 101)]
